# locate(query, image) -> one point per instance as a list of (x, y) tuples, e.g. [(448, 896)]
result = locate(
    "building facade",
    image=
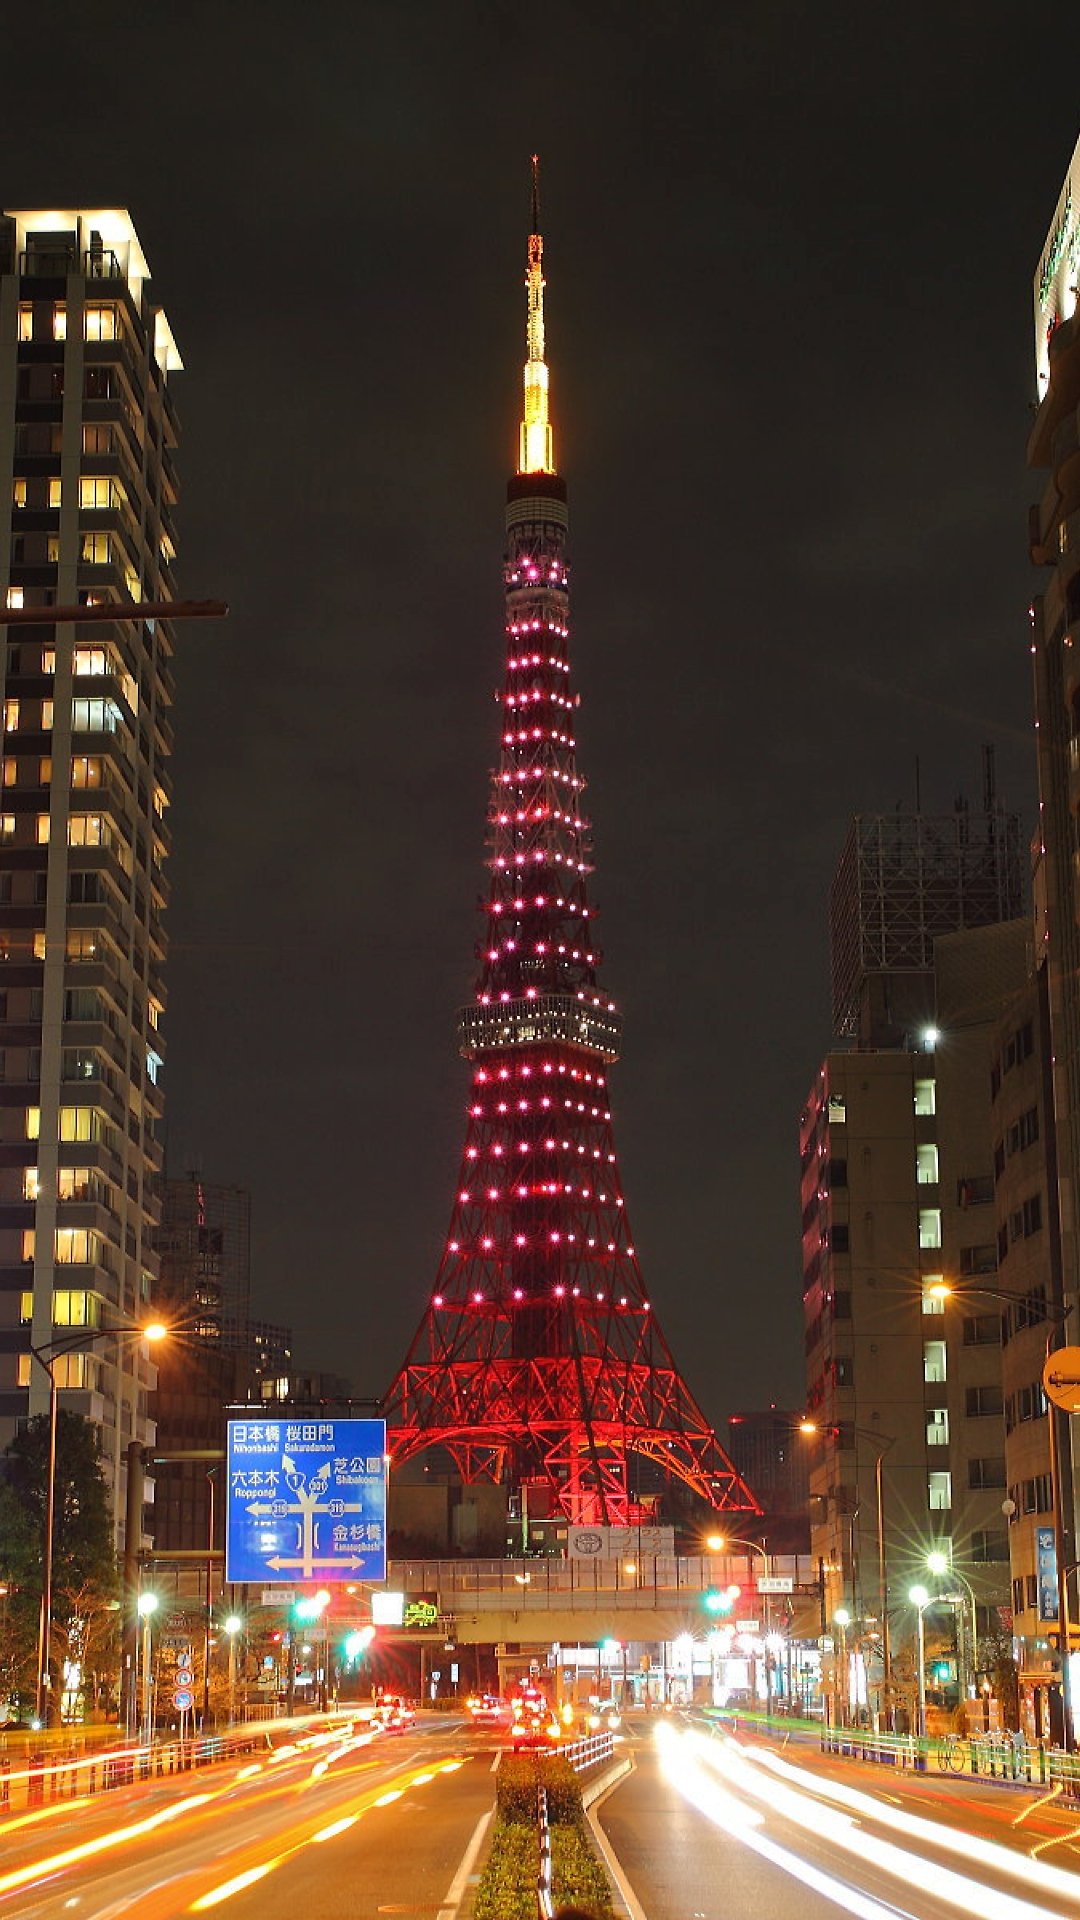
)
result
[(88, 434), (903, 1379)]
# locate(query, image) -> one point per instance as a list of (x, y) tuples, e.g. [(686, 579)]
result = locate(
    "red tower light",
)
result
[(540, 1386)]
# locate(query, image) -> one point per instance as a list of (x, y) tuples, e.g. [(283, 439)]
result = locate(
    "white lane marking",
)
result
[(607, 1853), (456, 1890)]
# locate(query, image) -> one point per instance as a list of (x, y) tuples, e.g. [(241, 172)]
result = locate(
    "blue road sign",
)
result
[(307, 1500), (183, 1700)]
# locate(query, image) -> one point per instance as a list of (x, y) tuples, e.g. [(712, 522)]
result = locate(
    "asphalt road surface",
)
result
[(708, 1828), (322, 1827)]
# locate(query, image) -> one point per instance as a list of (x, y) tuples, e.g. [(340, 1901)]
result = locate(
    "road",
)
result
[(335, 1823), (329, 1826), (707, 1828)]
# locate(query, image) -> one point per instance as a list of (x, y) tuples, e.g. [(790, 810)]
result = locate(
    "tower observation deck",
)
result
[(538, 1361)]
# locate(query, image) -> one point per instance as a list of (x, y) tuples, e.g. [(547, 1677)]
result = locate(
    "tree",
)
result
[(84, 1582)]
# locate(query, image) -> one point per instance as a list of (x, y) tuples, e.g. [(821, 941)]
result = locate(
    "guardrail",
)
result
[(588, 1751), (46, 1778), (545, 1904)]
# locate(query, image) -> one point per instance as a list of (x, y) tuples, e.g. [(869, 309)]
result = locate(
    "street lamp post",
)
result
[(940, 1564), (148, 1603), (881, 1443), (716, 1543), (920, 1600), (842, 1690), (46, 1357), (232, 1627)]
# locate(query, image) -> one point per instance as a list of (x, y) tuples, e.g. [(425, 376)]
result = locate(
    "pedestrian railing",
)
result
[(588, 1752), (44, 1777)]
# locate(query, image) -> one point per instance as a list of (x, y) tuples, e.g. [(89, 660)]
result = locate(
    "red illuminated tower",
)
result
[(539, 1361)]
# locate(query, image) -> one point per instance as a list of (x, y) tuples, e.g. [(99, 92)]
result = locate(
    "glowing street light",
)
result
[(148, 1606), (46, 1357), (920, 1600)]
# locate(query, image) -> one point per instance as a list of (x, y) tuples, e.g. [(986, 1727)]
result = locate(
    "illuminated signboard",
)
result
[(306, 1500)]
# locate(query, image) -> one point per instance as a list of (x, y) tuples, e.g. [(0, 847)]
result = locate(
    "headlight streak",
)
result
[(741, 1822), (1036, 1876), (39, 1869), (238, 1882), (804, 1809), (45, 1813)]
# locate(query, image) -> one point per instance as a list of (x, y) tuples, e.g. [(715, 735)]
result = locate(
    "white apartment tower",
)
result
[(87, 441)]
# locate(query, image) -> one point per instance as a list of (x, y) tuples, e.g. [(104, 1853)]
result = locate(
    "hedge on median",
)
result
[(507, 1887)]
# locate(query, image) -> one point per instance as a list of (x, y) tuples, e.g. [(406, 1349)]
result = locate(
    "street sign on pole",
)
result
[(183, 1699), (1061, 1378), (307, 1498), (775, 1583)]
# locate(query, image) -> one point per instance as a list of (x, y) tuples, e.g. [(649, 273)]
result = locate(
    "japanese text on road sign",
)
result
[(307, 1500)]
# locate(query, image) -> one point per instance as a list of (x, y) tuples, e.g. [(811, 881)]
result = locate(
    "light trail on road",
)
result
[(744, 1790)]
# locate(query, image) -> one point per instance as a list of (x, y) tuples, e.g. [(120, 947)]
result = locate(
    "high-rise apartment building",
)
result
[(87, 440), (898, 1201), (1054, 533)]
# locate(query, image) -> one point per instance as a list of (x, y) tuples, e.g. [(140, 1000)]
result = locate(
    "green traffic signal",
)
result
[(719, 1600)]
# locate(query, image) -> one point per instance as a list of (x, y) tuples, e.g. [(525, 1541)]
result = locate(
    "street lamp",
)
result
[(939, 1563), (718, 1543), (842, 1619), (148, 1604), (881, 1442), (46, 1357), (232, 1627), (920, 1600)]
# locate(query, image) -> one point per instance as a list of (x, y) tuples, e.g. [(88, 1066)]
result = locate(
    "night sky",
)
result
[(789, 253)]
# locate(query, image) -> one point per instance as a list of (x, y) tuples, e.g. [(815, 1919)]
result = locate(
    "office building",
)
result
[(88, 435)]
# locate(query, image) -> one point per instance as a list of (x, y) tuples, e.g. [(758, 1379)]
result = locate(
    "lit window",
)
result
[(59, 321), (7, 828), (55, 492), (26, 1307), (43, 829), (94, 716), (100, 323), (87, 770), (11, 716), (925, 1096), (46, 716), (154, 1064), (28, 1243), (18, 493), (97, 439), (939, 1492), (39, 944), (86, 830), (76, 1123), (926, 1163), (133, 583), (937, 1426), (96, 549), (934, 1361), (161, 801), (75, 1246), (154, 1011), (26, 323), (82, 945), (75, 1308), (933, 1302), (44, 772), (97, 490), (11, 773), (68, 1370), (16, 597), (929, 1226), (91, 660), (48, 660), (52, 549), (33, 1122), (72, 1183), (30, 1185)]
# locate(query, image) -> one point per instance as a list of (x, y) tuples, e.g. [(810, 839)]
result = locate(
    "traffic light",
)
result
[(358, 1643), (719, 1600), (311, 1607)]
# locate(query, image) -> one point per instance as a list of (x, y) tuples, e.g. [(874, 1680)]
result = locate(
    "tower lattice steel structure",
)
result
[(539, 1360)]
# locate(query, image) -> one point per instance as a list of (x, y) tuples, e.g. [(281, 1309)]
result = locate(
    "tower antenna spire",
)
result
[(536, 452)]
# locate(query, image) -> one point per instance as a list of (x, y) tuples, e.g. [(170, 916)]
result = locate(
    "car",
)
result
[(394, 1714), (489, 1710)]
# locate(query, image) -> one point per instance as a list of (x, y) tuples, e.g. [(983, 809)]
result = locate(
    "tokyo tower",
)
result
[(539, 1362)]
